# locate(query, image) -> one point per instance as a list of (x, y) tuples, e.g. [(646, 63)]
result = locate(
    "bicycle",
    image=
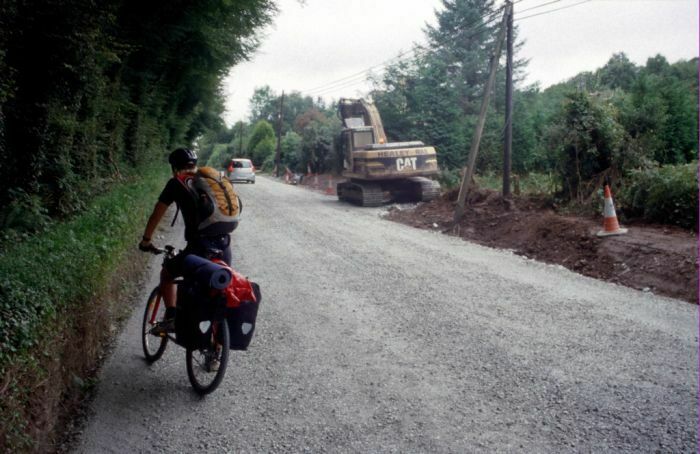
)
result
[(206, 362)]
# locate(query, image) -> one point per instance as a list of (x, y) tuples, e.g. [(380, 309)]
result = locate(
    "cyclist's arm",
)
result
[(153, 221)]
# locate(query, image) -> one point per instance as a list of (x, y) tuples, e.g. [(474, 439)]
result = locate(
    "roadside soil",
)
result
[(655, 258)]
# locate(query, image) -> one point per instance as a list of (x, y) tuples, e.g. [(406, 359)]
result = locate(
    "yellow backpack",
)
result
[(218, 204)]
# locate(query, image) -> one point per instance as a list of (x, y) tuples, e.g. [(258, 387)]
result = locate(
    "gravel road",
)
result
[(377, 337)]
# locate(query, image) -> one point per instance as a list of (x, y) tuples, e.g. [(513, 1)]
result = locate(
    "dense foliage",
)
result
[(46, 286), (68, 261), (615, 122), (92, 93), (666, 195), (436, 96), (308, 130), (615, 119), (91, 87)]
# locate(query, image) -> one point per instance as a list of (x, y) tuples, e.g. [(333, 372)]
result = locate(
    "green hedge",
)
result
[(668, 195), (220, 156), (70, 261)]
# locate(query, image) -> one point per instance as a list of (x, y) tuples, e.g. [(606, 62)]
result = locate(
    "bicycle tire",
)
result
[(155, 351), (196, 369)]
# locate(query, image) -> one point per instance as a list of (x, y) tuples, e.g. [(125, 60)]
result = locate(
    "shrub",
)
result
[(68, 261), (48, 286), (449, 178), (264, 150), (220, 156), (587, 139), (269, 165), (667, 195)]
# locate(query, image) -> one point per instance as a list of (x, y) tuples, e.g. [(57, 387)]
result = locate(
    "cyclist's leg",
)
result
[(168, 289), (172, 268), (168, 293)]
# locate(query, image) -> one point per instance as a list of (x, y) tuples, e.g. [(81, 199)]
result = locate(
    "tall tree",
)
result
[(88, 87), (618, 72), (436, 96)]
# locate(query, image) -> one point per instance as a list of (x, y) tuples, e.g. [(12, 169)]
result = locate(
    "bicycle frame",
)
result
[(199, 360), (152, 321), (156, 306)]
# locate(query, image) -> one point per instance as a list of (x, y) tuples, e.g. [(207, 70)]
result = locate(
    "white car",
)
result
[(243, 171)]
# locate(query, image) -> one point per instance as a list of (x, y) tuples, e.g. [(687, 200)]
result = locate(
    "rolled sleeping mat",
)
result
[(207, 273)]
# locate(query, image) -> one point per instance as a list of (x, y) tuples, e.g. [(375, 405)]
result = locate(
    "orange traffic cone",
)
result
[(610, 224), (329, 189)]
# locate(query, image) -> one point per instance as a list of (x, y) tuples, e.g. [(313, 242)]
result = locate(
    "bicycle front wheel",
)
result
[(206, 366), (153, 344)]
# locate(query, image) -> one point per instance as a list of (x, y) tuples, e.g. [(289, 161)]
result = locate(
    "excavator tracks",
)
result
[(424, 189), (371, 194), (362, 193)]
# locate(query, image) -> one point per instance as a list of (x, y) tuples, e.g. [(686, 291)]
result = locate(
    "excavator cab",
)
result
[(355, 139), (361, 138)]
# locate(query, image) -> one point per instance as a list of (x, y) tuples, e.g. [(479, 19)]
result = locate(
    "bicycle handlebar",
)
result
[(168, 249)]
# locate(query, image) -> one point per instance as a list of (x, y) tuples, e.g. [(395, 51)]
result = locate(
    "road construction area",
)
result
[(374, 336)]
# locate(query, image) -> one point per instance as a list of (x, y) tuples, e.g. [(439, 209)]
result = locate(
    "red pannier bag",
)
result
[(242, 302)]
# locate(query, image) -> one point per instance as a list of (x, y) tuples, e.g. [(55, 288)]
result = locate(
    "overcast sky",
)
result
[(317, 42)]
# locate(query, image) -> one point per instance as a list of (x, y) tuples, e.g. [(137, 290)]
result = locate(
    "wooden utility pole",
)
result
[(279, 137), (240, 139), (468, 171), (508, 140)]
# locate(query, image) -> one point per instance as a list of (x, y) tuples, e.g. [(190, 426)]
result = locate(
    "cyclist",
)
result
[(183, 163)]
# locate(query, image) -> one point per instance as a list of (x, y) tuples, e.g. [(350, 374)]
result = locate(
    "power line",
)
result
[(352, 76), (538, 6), (553, 10), (360, 77), (481, 21), (357, 81)]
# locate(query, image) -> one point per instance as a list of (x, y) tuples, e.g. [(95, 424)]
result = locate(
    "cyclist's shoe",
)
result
[(213, 362), (164, 327), (213, 365)]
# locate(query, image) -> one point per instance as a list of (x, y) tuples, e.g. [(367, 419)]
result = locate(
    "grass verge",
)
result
[(59, 303)]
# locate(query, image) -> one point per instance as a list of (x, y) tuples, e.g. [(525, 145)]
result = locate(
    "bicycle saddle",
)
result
[(212, 253)]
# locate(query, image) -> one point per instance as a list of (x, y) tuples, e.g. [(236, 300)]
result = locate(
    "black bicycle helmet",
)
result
[(181, 158)]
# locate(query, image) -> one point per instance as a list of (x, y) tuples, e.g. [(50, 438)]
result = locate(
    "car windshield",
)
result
[(241, 164)]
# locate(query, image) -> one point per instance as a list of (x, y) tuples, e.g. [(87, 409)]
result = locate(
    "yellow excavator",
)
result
[(379, 172)]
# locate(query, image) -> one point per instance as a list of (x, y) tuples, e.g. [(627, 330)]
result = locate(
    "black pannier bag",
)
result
[(196, 309), (241, 320)]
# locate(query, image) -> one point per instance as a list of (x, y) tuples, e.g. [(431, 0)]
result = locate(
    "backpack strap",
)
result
[(177, 211)]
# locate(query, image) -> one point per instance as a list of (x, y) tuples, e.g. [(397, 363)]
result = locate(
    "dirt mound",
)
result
[(650, 258), (323, 182)]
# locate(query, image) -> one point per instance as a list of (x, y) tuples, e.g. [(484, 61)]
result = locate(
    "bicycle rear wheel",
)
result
[(153, 345), (206, 366)]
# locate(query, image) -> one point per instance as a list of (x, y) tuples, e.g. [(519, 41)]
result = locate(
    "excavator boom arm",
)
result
[(356, 108)]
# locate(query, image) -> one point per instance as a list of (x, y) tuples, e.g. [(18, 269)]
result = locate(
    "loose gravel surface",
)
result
[(377, 337)]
